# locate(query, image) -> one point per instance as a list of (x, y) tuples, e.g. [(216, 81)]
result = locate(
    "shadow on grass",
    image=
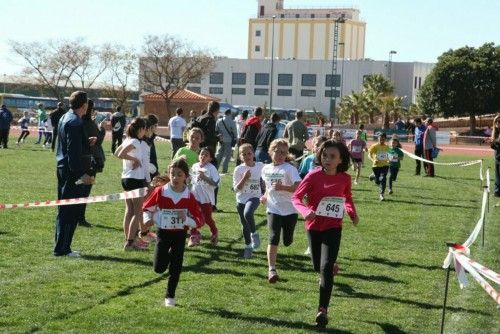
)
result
[(393, 264), (377, 278), (104, 227), (387, 199), (3, 233), (349, 292), (285, 324), (387, 328), (106, 258)]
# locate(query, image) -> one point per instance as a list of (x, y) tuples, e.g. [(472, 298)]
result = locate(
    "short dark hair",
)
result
[(227, 112), (60, 104), (361, 126), (383, 135), (213, 106), (244, 114), (275, 117), (146, 121), (179, 111), (181, 164), (258, 111), (134, 127), (345, 156), (119, 108), (210, 151), (77, 99), (153, 120), (299, 114), (418, 120)]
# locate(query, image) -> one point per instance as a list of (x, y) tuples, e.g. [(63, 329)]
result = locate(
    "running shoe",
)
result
[(272, 276), (321, 318)]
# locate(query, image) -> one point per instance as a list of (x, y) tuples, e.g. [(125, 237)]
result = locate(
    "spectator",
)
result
[(177, 125), (5, 121), (419, 143), (227, 128), (55, 117), (41, 117), (118, 122), (399, 125), (252, 128), (207, 122), (429, 145), (495, 144), (265, 137), (297, 135)]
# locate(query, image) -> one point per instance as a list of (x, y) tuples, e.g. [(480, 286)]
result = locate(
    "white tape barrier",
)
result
[(488, 179), (463, 263), (458, 163), (477, 229), (82, 200)]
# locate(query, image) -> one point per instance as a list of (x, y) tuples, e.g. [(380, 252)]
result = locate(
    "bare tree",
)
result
[(91, 63), (51, 63), (169, 64)]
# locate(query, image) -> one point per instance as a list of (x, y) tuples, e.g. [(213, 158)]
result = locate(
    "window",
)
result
[(415, 84), (257, 33), (336, 80), (336, 93), (285, 79), (297, 16), (308, 92), (419, 82), (284, 92), (238, 91), (282, 16), (195, 81), (217, 78), (312, 16), (239, 78), (261, 91), (309, 80), (216, 90), (257, 48), (194, 89), (327, 16), (262, 79), (261, 11)]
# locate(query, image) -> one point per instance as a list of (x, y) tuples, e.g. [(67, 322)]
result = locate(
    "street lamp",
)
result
[(272, 64), (392, 52), (340, 19), (4, 79), (342, 70)]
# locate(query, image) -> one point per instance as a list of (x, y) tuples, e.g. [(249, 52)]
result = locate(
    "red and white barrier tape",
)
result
[(488, 179), (82, 200), (463, 263), (158, 138)]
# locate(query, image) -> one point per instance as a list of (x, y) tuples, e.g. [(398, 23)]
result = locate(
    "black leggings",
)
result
[(24, 134), (324, 250), (276, 223), (169, 253), (393, 175)]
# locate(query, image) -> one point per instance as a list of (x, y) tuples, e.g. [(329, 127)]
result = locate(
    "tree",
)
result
[(92, 61), (464, 82), (169, 64)]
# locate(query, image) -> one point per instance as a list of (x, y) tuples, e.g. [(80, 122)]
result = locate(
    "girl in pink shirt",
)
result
[(328, 191)]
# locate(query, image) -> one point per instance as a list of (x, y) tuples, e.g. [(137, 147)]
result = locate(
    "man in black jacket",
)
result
[(207, 123), (55, 116), (118, 122), (265, 137)]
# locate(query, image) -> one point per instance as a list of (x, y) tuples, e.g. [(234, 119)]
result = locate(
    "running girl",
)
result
[(23, 123), (328, 191), (190, 153), (175, 208), (356, 148), (379, 154), (246, 183), (281, 178), (395, 157)]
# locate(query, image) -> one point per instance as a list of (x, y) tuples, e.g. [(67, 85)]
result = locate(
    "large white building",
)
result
[(304, 33)]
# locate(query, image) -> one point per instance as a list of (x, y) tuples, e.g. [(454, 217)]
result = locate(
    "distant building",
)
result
[(304, 33)]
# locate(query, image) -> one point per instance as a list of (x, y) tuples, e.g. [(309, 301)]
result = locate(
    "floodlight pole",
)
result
[(340, 19), (272, 68)]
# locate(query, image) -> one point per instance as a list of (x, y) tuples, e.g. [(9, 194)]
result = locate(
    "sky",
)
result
[(416, 30)]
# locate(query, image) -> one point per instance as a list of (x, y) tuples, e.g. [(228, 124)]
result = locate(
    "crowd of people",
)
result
[(276, 173)]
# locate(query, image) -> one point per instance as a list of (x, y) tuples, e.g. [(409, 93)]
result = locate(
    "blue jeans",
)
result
[(247, 219), (262, 156), (497, 178), (67, 215), (381, 177), (223, 155)]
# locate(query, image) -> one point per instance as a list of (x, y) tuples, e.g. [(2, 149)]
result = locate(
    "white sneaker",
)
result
[(355, 182), (382, 198), (308, 251), (73, 254), (255, 240), (169, 302)]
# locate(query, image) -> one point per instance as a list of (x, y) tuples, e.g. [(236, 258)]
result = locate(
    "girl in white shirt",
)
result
[(204, 179), (281, 178), (246, 183), (134, 173)]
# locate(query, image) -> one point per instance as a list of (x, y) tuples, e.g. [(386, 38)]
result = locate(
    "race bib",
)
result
[(252, 187), (332, 207), (356, 149), (169, 219), (275, 178), (394, 157), (382, 156)]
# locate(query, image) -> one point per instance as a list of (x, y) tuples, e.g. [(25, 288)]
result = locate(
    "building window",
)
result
[(285, 79), (309, 80), (282, 16), (215, 90), (195, 81), (419, 82), (284, 92), (261, 91), (308, 92), (336, 80), (297, 16), (261, 79), (415, 84), (238, 91), (336, 93), (257, 48), (194, 89), (257, 33), (216, 78), (261, 11), (327, 16), (239, 78), (312, 16)]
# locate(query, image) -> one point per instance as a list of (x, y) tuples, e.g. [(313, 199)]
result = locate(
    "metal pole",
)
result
[(340, 19), (272, 65), (342, 71), (231, 86), (449, 244)]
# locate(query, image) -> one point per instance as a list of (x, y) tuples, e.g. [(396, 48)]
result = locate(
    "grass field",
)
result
[(391, 279)]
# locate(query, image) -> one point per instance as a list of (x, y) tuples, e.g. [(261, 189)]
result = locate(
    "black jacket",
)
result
[(55, 117), (266, 136), (207, 124), (496, 146)]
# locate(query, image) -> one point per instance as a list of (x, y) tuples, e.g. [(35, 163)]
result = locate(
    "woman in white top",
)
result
[(134, 173)]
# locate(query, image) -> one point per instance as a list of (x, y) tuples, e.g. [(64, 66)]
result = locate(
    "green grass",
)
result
[(391, 279)]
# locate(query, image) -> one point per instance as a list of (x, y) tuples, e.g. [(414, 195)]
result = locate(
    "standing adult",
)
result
[(177, 125), (296, 132), (118, 122), (495, 144), (5, 121), (419, 143), (41, 115), (252, 128), (265, 137), (226, 127), (207, 123), (429, 145), (55, 117), (70, 171), (240, 124)]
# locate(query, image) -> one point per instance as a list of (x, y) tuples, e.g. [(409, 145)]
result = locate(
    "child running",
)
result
[(246, 183), (356, 148), (23, 123), (190, 152), (308, 163), (379, 154), (204, 180), (175, 209), (328, 191), (395, 157), (281, 178)]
